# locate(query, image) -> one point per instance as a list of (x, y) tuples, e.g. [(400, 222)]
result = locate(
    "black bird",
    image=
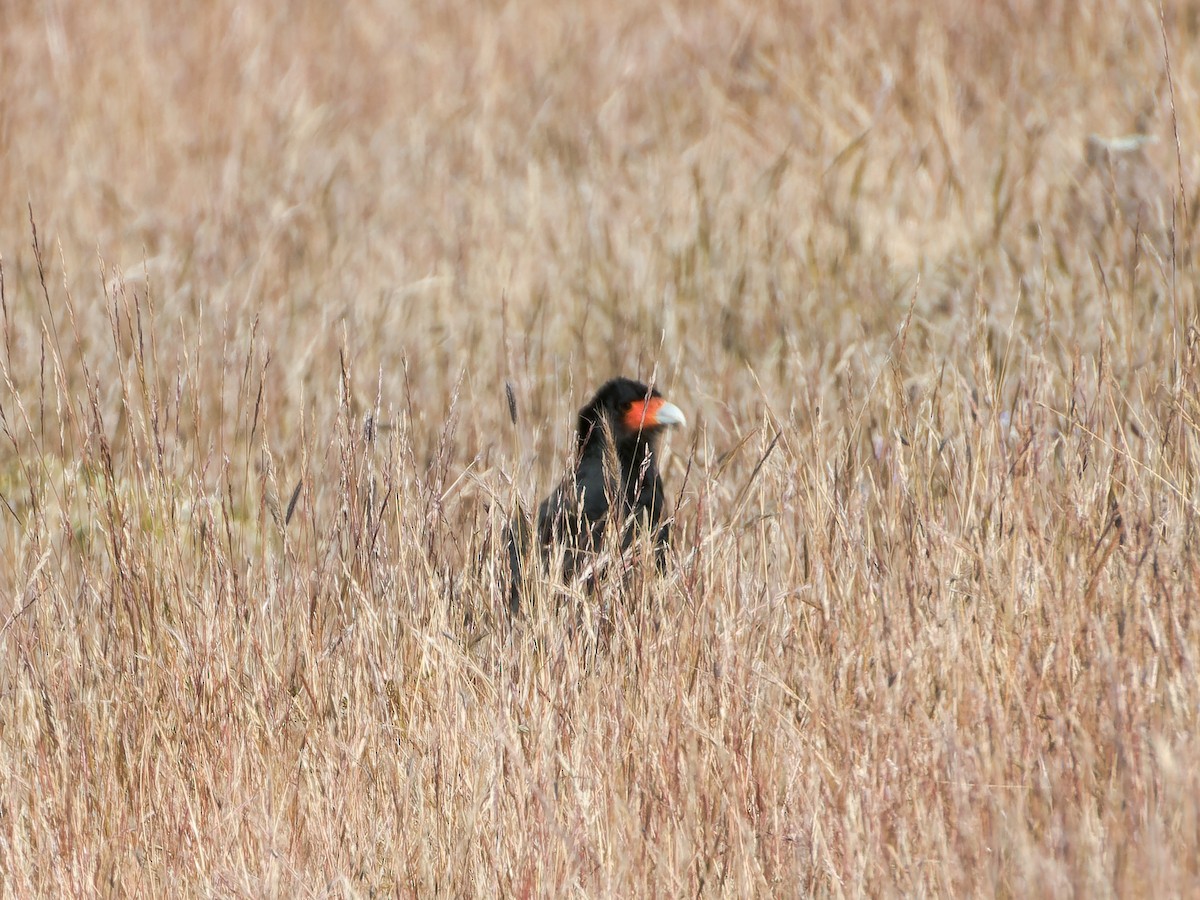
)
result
[(615, 482)]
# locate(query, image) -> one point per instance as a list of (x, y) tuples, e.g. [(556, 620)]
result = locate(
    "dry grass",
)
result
[(930, 622)]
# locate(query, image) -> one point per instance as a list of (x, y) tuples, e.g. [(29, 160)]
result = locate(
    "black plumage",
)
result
[(615, 483)]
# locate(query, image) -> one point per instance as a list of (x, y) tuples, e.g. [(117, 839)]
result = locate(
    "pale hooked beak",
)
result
[(669, 414)]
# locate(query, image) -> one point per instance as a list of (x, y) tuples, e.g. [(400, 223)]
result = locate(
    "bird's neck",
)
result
[(634, 455)]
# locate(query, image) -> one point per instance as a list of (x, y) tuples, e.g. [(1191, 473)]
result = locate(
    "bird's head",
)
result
[(630, 410)]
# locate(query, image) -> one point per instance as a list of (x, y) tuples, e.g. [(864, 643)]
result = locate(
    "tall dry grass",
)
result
[(921, 274)]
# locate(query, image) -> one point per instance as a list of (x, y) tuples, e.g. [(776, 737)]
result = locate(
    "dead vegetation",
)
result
[(922, 276)]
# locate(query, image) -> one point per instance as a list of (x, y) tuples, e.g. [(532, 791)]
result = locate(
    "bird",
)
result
[(615, 483)]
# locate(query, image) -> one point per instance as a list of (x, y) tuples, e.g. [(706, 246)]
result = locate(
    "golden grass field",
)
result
[(921, 274)]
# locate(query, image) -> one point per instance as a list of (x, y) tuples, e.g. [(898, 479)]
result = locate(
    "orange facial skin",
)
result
[(643, 414)]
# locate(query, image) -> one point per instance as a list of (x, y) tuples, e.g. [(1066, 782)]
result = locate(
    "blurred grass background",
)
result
[(266, 271)]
